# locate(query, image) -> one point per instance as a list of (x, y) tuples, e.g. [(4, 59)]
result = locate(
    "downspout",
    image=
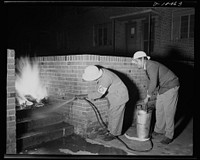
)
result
[(172, 25), (113, 36), (149, 34)]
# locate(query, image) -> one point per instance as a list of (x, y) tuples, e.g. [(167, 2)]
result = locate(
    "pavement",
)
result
[(76, 145), (181, 145)]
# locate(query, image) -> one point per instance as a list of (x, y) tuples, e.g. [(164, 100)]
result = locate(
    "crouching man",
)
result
[(112, 87)]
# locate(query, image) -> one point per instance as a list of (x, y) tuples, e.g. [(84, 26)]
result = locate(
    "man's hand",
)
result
[(91, 97), (146, 99), (82, 96)]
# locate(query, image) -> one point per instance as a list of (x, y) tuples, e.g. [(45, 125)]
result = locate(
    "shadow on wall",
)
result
[(175, 60), (133, 98)]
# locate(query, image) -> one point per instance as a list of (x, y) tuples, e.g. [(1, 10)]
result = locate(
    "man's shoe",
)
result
[(155, 134), (109, 137), (166, 140)]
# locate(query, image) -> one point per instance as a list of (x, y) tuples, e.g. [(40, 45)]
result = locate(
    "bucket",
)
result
[(143, 124)]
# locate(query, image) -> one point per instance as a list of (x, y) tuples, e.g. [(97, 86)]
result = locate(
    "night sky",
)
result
[(25, 22)]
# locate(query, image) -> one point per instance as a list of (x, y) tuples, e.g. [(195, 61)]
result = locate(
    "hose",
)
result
[(98, 115), (100, 120)]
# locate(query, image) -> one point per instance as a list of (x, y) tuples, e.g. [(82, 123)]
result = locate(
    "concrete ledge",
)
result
[(44, 134)]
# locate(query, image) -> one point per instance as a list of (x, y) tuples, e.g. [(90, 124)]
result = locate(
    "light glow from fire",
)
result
[(28, 81)]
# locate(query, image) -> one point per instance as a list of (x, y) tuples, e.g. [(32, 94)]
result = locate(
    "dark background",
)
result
[(25, 22)]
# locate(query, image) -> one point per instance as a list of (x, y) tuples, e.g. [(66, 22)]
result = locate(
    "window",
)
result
[(183, 24), (187, 26), (191, 34), (61, 40), (146, 42), (103, 34)]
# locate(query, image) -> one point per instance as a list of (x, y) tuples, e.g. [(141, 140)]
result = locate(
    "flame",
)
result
[(28, 81)]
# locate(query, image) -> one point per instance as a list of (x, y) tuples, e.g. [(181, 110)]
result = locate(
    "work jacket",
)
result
[(160, 77), (116, 93)]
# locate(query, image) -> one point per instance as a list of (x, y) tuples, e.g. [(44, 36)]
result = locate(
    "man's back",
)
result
[(160, 76)]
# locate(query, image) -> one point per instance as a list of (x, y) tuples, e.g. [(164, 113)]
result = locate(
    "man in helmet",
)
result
[(167, 84), (111, 86)]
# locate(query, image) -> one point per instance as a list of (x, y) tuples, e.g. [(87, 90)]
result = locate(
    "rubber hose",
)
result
[(98, 115)]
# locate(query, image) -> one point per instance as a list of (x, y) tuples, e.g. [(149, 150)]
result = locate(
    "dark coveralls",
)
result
[(117, 95)]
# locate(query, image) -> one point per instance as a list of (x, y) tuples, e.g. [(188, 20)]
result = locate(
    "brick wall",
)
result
[(62, 74), (11, 119), (62, 77), (163, 31), (163, 38)]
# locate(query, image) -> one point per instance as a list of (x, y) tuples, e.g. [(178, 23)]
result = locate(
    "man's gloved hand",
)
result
[(91, 97), (146, 99), (82, 96)]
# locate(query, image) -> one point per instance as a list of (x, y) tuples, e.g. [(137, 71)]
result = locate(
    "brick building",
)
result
[(161, 32), (106, 36)]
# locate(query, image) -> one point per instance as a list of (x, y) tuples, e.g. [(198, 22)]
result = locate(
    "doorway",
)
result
[(140, 35), (131, 37)]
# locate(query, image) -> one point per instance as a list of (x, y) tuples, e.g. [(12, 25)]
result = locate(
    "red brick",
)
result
[(10, 66), (10, 106), (11, 132), (10, 77), (10, 89), (10, 83), (11, 112), (10, 71), (11, 124), (11, 61), (11, 95), (10, 100), (10, 53), (11, 118), (11, 148)]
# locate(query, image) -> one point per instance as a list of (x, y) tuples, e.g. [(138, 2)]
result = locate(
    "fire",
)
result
[(28, 82)]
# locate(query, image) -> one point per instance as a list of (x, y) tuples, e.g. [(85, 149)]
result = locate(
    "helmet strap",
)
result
[(144, 63)]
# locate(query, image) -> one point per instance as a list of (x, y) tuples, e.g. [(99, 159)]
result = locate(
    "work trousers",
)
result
[(165, 112), (115, 119)]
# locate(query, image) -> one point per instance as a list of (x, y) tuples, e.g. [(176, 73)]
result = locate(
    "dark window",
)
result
[(61, 40), (184, 26), (191, 26), (148, 37), (102, 34), (187, 26), (105, 36)]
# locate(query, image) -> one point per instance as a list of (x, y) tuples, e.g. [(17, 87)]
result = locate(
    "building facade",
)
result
[(161, 32)]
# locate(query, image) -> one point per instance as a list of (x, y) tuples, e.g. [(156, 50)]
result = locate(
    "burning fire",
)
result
[(28, 84)]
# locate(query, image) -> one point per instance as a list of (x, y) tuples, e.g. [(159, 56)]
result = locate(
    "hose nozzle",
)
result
[(81, 96)]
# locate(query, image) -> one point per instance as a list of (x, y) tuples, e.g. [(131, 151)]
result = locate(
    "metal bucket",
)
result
[(143, 123)]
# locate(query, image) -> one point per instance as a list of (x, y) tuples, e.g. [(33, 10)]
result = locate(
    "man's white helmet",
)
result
[(140, 54), (91, 73)]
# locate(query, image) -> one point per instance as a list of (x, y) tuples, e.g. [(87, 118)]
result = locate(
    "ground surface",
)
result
[(76, 145)]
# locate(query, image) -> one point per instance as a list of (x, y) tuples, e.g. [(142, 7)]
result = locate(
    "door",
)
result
[(131, 37), (148, 33)]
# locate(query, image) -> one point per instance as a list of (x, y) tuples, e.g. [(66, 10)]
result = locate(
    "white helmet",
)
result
[(140, 54), (91, 73)]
